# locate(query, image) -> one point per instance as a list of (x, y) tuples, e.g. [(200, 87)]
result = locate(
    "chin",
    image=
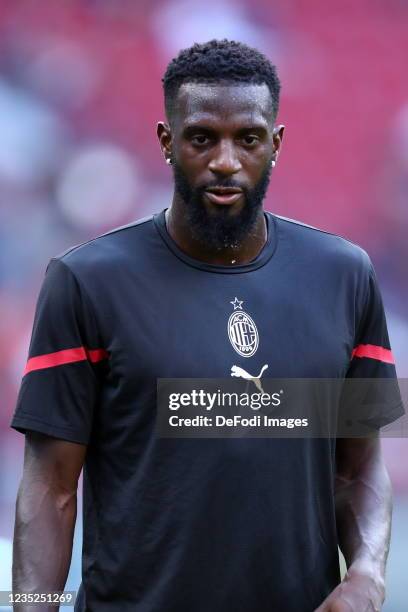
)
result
[(224, 210), (220, 227)]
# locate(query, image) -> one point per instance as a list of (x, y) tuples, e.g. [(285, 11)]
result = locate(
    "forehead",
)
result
[(246, 102)]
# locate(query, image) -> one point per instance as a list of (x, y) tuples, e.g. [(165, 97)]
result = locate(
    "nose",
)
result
[(225, 161)]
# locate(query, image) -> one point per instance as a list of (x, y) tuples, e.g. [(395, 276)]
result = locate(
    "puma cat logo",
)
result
[(241, 373)]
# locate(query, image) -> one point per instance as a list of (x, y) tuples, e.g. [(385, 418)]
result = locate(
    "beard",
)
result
[(222, 230)]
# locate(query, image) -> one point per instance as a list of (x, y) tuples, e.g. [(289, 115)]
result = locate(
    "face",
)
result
[(222, 142)]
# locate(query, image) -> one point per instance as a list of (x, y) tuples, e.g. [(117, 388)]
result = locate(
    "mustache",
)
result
[(221, 184)]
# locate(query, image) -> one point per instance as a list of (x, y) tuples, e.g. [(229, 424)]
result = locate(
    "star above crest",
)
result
[(237, 304)]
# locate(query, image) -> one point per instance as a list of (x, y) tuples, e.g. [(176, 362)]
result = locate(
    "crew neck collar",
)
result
[(262, 258)]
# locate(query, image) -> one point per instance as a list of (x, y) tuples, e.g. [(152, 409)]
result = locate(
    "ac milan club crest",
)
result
[(242, 331)]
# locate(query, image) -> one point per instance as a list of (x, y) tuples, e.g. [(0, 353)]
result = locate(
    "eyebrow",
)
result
[(192, 128)]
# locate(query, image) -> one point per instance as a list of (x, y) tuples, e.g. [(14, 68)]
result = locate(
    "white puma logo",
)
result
[(241, 373)]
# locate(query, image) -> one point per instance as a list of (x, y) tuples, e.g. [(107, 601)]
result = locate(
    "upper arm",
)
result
[(54, 462), (67, 363), (371, 397), (353, 455)]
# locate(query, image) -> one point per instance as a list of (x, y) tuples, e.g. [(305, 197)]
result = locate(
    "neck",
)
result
[(245, 252)]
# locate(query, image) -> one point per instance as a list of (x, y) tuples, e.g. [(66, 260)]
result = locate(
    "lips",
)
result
[(223, 195)]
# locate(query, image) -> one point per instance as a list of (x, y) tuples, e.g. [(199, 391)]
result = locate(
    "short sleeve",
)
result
[(66, 361), (372, 360)]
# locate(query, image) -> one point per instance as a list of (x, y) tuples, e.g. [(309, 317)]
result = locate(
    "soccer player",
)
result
[(211, 287)]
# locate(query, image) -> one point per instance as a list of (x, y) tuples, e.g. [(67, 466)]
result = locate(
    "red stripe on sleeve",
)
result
[(96, 355), (373, 352), (58, 358)]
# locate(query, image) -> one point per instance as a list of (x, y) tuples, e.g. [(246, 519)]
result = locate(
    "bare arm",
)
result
[(363, 504), (45, 515), (363, 498)]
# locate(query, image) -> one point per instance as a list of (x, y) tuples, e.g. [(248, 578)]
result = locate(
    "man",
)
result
[(203, 525)]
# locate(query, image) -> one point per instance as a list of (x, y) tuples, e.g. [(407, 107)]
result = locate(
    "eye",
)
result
[(250, 140), (200, 139)]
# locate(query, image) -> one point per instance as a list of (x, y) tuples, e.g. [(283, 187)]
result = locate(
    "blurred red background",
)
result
[(80, 95)]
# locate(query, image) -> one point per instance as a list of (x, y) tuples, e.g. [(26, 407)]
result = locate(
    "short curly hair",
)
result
[(219, 61)]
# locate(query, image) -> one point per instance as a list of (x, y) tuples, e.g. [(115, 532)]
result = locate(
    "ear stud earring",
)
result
[(168, 161), (273, 163)]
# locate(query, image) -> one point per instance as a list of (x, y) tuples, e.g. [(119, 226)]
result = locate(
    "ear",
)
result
[(277, 139), (164, 136)]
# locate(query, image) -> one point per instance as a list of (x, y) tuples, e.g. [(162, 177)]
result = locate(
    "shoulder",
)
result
[(322, 247), (108, 250)]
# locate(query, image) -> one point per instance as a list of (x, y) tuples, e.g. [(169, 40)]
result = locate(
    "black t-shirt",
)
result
[(199, 525)]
